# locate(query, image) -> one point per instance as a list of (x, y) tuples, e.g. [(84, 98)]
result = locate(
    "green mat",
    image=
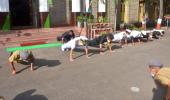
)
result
[(34, 47)]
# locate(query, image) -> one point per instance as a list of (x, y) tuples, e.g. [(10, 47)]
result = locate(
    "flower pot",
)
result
[(79, 24)]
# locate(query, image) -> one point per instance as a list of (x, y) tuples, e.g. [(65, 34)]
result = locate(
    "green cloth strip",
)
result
[(34, 47)]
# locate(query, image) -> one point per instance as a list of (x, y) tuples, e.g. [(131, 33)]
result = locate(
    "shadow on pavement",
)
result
[(40, 63), (23, 69), (28, 95), (27, 64), (159, 92), (116, 47), (44, 62), (93, 51), (90, 51)]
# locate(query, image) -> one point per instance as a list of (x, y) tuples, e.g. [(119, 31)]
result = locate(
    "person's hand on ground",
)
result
[(101, 53), (112, 51), (71, 60), (13, 72)]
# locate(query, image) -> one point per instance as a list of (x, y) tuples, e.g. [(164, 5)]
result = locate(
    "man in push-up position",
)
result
[(72, 44), (19, 57), (101, 41)]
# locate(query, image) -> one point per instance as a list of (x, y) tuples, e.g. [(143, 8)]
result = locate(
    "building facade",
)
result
[(16, 14)]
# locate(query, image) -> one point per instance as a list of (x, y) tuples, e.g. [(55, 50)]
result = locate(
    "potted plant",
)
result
[(100, 19), (90, 18), (105, 19), (80, 19)]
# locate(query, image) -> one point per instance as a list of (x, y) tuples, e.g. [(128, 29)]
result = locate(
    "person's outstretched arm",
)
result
[(86, 51), (11, 59), (110, 47), (101, 48), (71, 55), (12, 68)]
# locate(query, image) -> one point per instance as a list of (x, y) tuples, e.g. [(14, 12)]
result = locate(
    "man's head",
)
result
[(71, 32), (128, 31), (83, 40), (154, 67), (24, 55), (109, 37)]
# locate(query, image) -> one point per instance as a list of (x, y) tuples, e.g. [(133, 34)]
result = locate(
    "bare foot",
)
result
[(112, 51), (32, 69), (102, 53), (71, 60), (87, 57), (13, 72)]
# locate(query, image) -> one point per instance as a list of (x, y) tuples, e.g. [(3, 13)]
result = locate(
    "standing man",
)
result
[(19, 57), (161, 74)]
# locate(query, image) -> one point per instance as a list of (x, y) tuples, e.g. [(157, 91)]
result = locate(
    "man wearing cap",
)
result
[(161, 74), (21, 56)]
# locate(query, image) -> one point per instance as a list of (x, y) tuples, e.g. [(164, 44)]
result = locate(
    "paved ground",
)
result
[(15, 37), (101, 77)]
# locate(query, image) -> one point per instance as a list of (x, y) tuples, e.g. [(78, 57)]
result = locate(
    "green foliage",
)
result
[(102, 33), (100, 19), (80, 18), (103, 19), (90, 18)]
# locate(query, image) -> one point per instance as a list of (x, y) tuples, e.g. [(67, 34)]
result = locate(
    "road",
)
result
[(101, 77)]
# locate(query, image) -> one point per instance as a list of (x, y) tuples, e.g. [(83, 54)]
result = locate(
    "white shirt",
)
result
[(145, 32), (161, 31), (119, 36), (135, 34), (72, 43)]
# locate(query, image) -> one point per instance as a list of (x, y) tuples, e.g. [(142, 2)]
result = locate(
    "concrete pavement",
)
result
[(101, 77), (15, 37)]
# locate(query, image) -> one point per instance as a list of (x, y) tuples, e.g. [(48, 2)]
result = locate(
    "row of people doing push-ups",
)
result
[(70, 42), (107, 39)]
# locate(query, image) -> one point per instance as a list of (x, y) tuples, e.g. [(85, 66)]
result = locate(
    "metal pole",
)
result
[(115, 2), (167, 23)]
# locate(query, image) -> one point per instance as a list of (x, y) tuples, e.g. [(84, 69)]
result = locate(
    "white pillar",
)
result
[(76, 6)]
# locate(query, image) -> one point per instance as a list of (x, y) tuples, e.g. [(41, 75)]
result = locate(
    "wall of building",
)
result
[(133, 11), (4, 15), (95, 8), (60, 13), (111, 11)]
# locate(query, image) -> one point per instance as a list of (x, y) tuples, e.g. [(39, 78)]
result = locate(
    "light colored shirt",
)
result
[(163, 76), (72, 43), (145, 32), (161, 31), (14, 57), (135, 34), (119, 36)]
